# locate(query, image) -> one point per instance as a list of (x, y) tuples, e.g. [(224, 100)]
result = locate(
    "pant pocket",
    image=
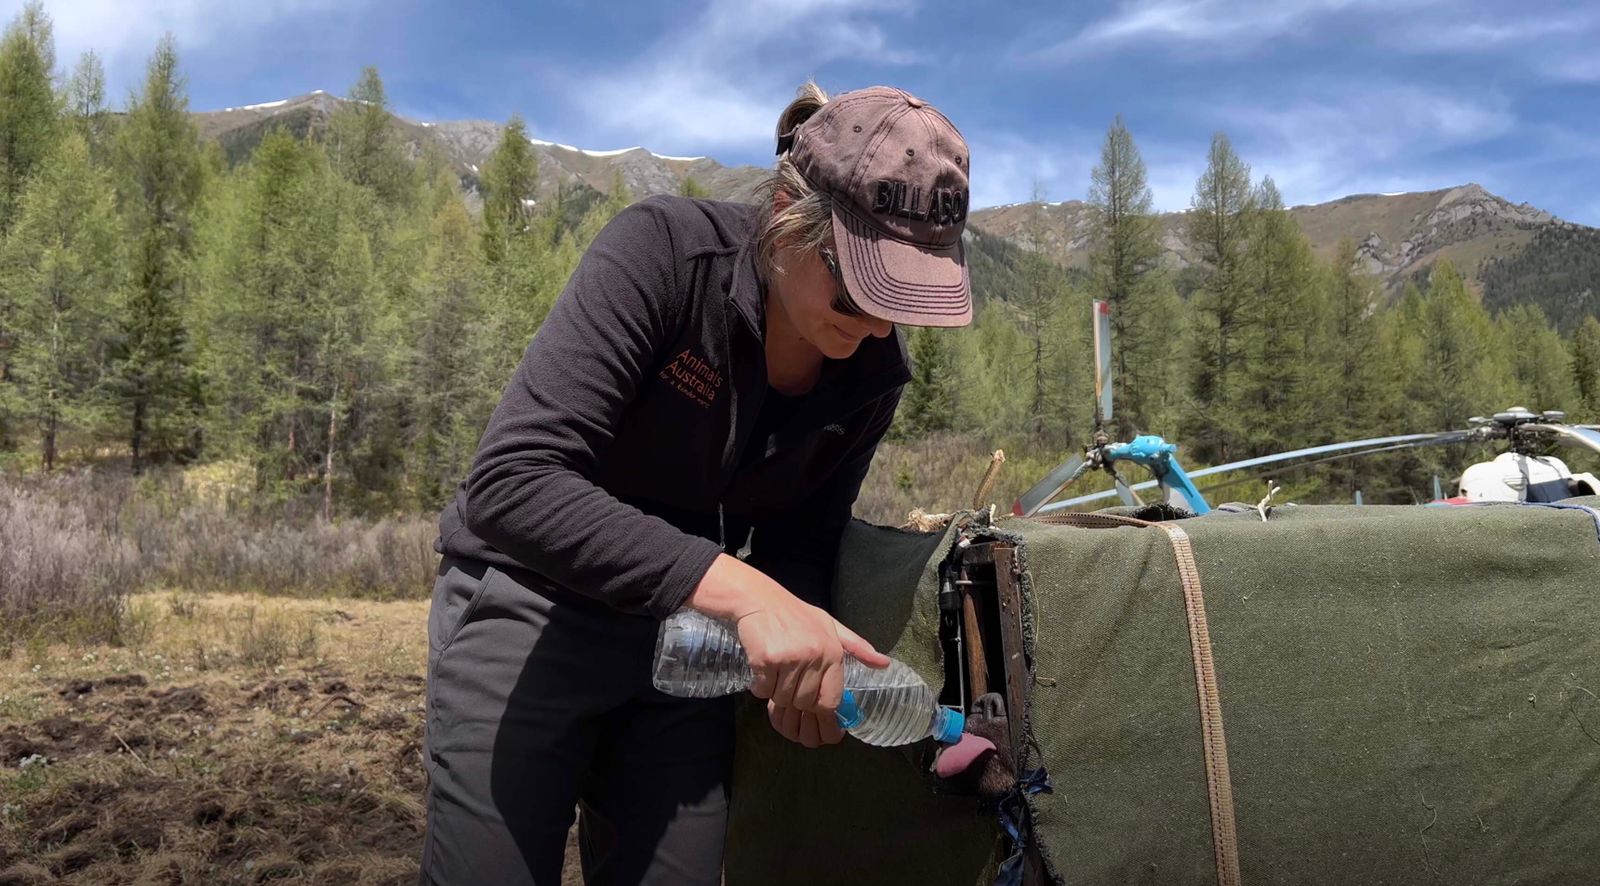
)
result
[(456, 594)]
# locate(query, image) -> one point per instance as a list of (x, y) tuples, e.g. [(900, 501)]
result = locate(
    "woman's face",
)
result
[(809, 291)]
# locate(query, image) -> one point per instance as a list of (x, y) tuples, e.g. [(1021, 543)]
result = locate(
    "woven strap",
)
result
[(1091, 520), (1224, 838)]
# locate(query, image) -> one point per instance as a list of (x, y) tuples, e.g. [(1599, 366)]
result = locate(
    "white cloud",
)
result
[(672, 108), (120, 29), (1008, 168), (123, 33), (1371, 139), (1478, 34), (720, 81), (1213, 26), (1582, 68), (1172, 176), (1556, 45)]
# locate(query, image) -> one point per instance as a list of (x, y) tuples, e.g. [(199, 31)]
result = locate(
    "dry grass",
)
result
[(60, 572), (941, 474), (77, 545), (234, 739)]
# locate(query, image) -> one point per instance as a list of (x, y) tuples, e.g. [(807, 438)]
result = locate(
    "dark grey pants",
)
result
[(538, 703)]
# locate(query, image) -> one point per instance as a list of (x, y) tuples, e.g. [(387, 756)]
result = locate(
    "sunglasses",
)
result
[(841, 296)]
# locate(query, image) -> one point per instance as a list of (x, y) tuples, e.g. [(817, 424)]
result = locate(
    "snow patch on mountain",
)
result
[(541, 142), (264, 106), (616, 152)]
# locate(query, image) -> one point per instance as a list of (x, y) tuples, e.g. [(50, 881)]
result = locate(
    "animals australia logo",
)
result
[(693, 377)]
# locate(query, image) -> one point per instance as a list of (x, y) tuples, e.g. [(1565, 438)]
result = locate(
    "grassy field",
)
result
[(231, 739), (207, 732)]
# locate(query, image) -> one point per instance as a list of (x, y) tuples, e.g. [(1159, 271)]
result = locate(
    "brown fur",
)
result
[(993, 773)]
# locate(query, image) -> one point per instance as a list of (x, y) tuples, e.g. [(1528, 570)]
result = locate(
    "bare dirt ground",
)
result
[(233, 740)]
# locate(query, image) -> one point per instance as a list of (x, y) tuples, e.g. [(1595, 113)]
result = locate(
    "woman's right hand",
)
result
[(795, 649)]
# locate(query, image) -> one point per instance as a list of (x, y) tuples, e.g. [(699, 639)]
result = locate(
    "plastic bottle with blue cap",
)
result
[(700, 657)]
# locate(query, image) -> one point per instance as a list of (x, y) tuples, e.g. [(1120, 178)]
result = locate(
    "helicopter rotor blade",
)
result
[(1127, 495), (1457, 436), (1572, 435), (1461, 437), (1102, 363), (1063, 476)]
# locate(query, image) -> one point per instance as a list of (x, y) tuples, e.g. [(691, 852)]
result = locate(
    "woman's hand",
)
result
[(811, 730), (796, 649)]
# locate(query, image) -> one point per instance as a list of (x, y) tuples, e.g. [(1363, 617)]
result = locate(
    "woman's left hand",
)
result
[(804, 727)]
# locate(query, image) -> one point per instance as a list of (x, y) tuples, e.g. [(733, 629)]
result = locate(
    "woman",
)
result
[(713, 375)]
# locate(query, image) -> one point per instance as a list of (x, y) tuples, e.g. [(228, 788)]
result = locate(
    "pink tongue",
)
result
[(955, 759)]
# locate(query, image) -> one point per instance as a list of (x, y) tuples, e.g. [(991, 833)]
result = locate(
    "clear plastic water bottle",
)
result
[(698, 656)]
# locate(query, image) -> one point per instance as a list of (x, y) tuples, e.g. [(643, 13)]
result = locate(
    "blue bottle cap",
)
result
[(948, 726)]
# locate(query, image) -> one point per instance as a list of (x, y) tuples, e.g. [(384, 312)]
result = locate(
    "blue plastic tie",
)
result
[(1012, 810)]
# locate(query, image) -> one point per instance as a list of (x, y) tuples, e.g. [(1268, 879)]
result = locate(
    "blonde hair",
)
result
[(807, 222)]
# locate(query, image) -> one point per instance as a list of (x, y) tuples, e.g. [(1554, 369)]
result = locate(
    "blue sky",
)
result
[(1329, 97)]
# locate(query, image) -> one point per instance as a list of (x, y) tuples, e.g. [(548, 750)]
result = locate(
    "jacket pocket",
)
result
[(456, 594)]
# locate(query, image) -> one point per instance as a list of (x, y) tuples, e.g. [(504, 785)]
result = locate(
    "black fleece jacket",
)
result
[(615, 466)]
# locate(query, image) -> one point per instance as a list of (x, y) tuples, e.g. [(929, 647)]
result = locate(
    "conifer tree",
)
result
[(1036, 306), (348, 360), (29, 107), (28, 123), (930, 397), (1123, 260), (1353, 335), (454, 373), (1401, 336), (1463, 371), (1541, 371), (363, 144), (1000, 369), (86, 104), (692, 188), (292, 349), (253, 344), (1279, 391), (1037, 302), (1219, 226), (160, 177), (509, 177), (60, 265), (1586, 370), (1349, 358)]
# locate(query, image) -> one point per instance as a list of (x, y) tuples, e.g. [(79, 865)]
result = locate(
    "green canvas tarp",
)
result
[(1409, 696)]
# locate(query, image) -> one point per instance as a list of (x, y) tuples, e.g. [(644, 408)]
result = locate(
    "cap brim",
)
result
[(901, 282)]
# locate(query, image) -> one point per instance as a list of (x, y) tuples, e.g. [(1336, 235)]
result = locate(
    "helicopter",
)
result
[(1519, 474)]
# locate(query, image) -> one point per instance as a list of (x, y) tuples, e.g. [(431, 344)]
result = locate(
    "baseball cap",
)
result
[(896, 169)]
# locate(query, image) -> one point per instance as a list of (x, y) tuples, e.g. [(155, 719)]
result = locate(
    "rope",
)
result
[(1224, 837), (989, 476)]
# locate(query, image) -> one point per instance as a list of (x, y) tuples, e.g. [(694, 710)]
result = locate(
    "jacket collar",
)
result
[(748, 293)]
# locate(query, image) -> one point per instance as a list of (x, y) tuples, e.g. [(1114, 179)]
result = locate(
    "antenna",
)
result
[(1102, 364)]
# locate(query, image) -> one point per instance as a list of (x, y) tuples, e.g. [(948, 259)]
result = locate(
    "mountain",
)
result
[(1510, 253), (1397, 235), (468, 143)]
